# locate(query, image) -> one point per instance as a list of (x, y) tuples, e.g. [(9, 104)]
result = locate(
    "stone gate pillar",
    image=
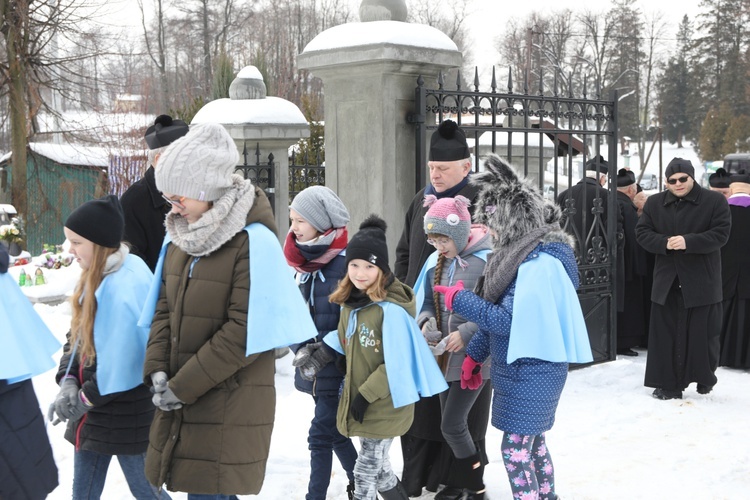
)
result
[(369, 72), (269, 123)]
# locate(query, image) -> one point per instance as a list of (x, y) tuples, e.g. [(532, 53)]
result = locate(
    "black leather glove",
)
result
[(359, 407)]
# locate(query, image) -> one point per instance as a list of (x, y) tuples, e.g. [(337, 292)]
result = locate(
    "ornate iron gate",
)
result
[(261, 175), (550, 137)]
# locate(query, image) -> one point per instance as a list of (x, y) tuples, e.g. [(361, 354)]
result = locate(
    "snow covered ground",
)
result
[(611, 440)]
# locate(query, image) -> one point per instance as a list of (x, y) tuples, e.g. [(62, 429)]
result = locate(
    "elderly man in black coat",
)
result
[(632, 323), (142, 203), (428, 460), (685, 227), (735, 270)]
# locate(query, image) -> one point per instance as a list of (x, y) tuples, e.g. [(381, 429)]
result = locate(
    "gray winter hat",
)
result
[(200, 164), (320, 206)]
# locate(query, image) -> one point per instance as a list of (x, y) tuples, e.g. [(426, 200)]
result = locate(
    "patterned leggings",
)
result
[(372, 472), (529, 467)]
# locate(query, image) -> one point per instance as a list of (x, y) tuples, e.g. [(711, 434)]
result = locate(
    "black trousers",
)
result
[(683, 343)]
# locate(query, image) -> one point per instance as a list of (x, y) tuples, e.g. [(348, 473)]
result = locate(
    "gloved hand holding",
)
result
[(359, 407), (166, 400), (321, 356), (471, 374), (303, 354), (66, 397), (450, 292), (78, 410), (430, 331), (159, 382)]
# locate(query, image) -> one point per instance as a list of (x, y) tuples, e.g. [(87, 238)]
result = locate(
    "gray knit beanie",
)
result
[(200, 164), (320, 206)]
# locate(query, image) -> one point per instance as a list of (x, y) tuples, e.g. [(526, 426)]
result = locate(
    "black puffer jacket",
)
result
[(118, 424), (27, 468)]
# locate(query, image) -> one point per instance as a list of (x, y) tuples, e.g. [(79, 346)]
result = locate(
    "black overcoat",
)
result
[(703, 218), (145, 210), (735, 256)]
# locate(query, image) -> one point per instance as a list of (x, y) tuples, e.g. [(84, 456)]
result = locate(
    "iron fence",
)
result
[(549, 137)]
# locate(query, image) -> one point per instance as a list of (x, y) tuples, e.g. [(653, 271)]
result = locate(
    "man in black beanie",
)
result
[(142, 203), (428, 459), (685, 227)]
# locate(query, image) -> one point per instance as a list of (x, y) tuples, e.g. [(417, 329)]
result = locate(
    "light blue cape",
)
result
[(547, 321), (120, 341), (27, 343), (420, 286), (277, 315), (410, 366)]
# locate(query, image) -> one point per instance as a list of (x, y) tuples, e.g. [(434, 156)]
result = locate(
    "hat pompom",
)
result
[(374, 221), (447, 129), (462, 202), (163, 120)]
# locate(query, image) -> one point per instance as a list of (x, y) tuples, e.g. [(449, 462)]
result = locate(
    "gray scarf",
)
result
[(218, 225), (502, 265)]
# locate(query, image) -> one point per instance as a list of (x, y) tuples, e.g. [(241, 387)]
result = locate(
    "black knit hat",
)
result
[(448, 143), (603, 164), (679, 165), (164, 131), (369, 243), (625, 178), (99, 221), (719, 179)]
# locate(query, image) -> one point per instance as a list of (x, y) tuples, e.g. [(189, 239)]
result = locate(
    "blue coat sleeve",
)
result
[(486, 315)]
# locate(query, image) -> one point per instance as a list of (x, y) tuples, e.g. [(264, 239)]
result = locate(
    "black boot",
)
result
[(449, 493), (398, 492), (350, 491), (472, 469)]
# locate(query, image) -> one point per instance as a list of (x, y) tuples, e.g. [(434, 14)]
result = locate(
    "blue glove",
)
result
[(166, 400)]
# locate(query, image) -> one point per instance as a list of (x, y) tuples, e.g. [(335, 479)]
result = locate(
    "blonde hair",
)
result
[(376, 291), (83, 303)]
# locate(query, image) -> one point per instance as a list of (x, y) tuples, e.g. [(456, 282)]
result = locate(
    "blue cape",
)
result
[(120, 342), (410, 365), (555, 331), (420, 284), (277, 315), (27, 343)]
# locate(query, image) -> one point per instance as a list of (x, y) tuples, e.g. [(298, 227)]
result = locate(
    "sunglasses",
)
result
[(175, 203), (681, 180)]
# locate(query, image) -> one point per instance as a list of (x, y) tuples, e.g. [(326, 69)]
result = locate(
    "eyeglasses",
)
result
[(681, 180), (438, 241), (175, 203)]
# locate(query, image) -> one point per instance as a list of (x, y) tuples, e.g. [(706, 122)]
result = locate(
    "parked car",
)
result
[(649, 181), (736, 162)]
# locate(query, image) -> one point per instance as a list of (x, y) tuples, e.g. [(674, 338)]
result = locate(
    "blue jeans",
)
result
[(322, 439), (90, 472)]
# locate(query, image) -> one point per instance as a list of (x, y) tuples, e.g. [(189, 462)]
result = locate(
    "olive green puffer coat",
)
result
[(218, 442)]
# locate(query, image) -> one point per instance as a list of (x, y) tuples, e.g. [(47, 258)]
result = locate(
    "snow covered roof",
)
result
[(71, 154), (268, 111), (381, 32)]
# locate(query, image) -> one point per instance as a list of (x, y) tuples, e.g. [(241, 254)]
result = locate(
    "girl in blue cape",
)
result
[(388, 363), (102, 398), (28, 468), (316, 248), (530, 321), (461, 254)]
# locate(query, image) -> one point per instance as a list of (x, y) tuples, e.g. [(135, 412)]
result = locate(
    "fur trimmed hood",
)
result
[(512, 205)]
